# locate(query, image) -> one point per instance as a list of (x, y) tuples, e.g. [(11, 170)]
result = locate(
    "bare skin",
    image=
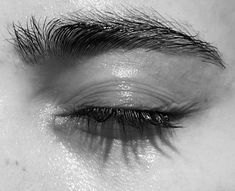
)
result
[(34, 157)]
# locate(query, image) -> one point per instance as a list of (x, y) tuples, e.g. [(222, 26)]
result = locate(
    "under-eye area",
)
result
[(99, 127)]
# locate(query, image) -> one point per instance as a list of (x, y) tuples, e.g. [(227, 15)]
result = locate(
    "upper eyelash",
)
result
[(136, 118)]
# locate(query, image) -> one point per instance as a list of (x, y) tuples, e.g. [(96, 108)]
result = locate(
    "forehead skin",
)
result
[(31, 159)]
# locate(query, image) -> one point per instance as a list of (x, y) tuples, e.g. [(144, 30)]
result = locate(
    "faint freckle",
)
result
[(16, 163), (7, 162), (23, 169)]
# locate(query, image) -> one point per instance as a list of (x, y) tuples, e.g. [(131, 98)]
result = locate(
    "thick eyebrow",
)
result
[(88, 35)]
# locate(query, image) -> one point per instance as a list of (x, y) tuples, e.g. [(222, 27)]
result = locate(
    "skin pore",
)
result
[(33, 157)]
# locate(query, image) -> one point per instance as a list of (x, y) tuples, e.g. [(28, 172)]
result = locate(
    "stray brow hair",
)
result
[(79, 35)]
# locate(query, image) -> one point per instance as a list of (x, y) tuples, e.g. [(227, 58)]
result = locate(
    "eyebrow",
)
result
[(80, 35)]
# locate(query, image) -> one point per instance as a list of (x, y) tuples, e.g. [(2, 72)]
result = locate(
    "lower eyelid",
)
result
[(81, 139)]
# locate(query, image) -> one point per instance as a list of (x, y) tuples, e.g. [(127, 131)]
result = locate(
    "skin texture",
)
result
[(33, 157)]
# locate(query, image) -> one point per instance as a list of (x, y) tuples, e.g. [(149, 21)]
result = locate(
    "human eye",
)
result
[(120, 79), (122, 122)]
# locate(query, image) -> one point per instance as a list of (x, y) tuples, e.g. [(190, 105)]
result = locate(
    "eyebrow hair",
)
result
[(88, 35)]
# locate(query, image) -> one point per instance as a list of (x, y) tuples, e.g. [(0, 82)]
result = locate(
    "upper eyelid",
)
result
[(76, 36)]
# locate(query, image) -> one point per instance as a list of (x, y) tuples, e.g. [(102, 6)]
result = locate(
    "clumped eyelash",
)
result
[(161, 124), (136, 118)]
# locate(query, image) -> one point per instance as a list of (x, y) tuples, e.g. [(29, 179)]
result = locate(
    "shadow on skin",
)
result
[(79, 141)]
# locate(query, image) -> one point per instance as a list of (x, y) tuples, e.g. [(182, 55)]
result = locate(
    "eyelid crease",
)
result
[(76, 35), (94, 90)]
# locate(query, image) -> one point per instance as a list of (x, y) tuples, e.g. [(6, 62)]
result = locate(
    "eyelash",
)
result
[(139, 119)]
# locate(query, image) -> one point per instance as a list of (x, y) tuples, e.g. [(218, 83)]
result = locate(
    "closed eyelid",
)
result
[(76, 37), (85, 36)]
